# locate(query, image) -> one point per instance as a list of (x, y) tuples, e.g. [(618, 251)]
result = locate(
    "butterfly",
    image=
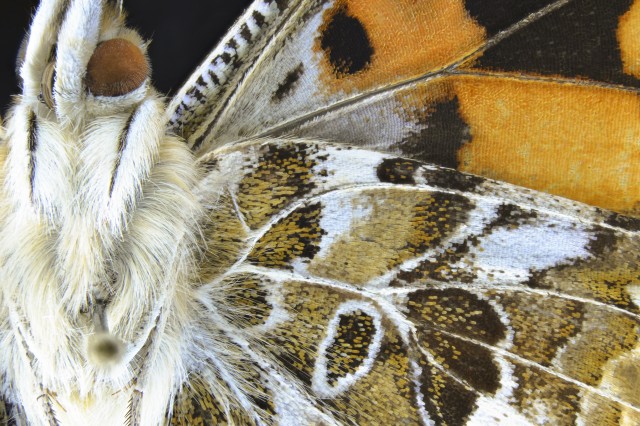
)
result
[(351, 213)]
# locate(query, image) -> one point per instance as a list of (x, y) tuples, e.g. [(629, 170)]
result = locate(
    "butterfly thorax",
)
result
[(96, 219)]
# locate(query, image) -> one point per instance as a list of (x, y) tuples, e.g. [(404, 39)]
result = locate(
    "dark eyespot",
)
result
[(116, 68)]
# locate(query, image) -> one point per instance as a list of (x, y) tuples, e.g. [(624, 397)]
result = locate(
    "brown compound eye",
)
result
[(116, 68)]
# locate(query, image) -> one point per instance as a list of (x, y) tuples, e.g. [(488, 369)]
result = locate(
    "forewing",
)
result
[(542, 94), (361, 288)]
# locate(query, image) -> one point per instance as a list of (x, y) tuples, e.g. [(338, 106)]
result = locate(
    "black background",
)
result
[(182, 33)]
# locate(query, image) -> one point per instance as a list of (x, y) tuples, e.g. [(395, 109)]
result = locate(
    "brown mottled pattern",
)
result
[(297, 340), (224, 238), (398, 170), (383, 396), (282, 174), (458, 312), (441, 267), (606, 277), (195, 405), (245, 299), (542, 395), (295, 236), (350, 346), (541, 326), (401, 225), (605, 335), (447, 401)]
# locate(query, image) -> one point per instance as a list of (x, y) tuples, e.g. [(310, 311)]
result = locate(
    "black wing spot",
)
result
[(288, 84), (346, 43)]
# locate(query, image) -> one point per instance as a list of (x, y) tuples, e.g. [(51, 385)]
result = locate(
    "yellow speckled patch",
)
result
[(401, 225), (244, 299), (385, 395), (600, 412), (541, 326), (224, 238), (298, 340), (350, 345), (605, 335), (597, 411), (282, 174), (195, 405), (295, 236), (542, 395), (458, 312)]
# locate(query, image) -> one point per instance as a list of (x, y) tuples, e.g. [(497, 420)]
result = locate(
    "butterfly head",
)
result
[(85, 79), (79, 60)]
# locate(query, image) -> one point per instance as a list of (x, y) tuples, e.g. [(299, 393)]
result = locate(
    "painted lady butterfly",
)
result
[(316, 253)]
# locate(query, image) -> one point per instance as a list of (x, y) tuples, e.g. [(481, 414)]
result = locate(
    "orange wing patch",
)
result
[(365, 44), (575, 141), (629, 40)]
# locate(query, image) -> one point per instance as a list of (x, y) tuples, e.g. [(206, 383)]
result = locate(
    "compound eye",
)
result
[(117, 67)]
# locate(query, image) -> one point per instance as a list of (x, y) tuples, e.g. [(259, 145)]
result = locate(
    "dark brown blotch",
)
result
[(451, 179), (624, 222), (289, 84), (511, 216), (466, 360), (439, 140), (447, 401), (397, 170)]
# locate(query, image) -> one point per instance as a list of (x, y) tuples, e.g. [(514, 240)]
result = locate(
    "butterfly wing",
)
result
[(343, 286), (541, 94)]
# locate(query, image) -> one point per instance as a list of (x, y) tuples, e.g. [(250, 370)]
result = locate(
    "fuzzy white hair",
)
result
[(97, 222)]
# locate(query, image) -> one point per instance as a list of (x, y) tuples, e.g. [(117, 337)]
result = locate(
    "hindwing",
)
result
[(370, 289)]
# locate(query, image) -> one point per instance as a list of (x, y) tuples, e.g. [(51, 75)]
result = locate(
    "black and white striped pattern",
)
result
[(204, 94)]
